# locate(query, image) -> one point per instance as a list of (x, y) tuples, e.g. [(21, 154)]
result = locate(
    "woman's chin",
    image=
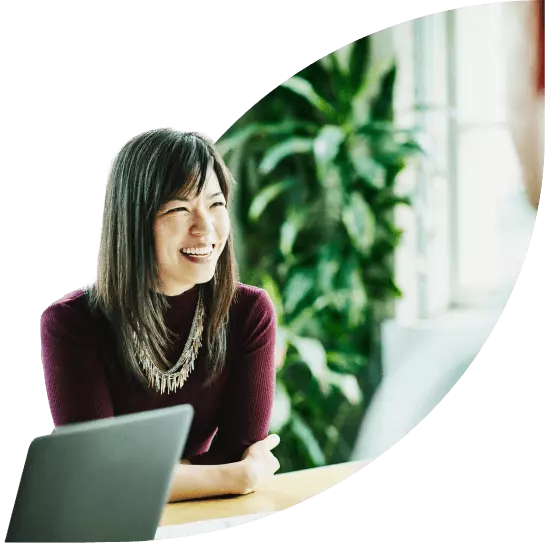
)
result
[(201, 278)]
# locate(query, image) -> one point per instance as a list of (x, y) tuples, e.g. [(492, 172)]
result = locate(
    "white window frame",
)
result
[(440, 265)]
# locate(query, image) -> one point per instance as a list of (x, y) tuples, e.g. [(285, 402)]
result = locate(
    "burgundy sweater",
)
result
[(84, 380)]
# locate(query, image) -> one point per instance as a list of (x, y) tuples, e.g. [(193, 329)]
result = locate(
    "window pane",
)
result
[(496, 221), (479, 44)]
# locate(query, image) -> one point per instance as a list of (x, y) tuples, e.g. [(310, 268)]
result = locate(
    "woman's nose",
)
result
[(202, 224)]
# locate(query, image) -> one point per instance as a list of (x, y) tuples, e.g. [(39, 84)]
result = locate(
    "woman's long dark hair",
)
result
[(147, 172)]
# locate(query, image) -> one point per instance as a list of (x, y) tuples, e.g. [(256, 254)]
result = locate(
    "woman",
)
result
[(166, 322)]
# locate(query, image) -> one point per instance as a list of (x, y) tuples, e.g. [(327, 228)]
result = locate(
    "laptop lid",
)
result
[(105, 480)]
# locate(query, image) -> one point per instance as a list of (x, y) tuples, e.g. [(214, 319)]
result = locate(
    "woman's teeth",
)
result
[(200, 251)]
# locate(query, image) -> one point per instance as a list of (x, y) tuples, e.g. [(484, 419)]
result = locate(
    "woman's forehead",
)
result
[(211, 186), (212, 183)]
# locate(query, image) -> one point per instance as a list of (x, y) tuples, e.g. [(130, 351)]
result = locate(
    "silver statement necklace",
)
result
[(174, 378)]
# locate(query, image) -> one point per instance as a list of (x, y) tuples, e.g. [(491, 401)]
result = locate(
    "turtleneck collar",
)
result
[(187, 299)]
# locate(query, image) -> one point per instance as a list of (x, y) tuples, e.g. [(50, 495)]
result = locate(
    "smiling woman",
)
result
[(194, 230), (167, 322)]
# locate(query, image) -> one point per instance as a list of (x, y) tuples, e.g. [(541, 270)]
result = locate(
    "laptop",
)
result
[(104, 480)]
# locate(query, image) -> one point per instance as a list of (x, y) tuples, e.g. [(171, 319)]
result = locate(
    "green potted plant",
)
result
[(316, 163)]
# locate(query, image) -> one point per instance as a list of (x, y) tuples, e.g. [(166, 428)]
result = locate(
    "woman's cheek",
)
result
[(225, 227)]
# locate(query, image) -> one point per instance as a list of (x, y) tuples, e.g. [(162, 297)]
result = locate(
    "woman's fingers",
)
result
[(271, 441)]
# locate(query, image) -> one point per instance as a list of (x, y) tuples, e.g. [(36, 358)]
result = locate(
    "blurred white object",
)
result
[(524, 93), (421, 364)]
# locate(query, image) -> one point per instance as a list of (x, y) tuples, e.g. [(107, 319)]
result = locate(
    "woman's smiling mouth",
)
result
[(198, 254)]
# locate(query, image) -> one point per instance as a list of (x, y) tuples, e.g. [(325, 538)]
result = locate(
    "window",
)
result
[(468, 231)]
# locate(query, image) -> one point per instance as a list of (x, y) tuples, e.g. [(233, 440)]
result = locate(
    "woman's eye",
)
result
[(180, 209)]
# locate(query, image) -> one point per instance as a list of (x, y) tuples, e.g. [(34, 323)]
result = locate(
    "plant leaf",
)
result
[(313, 354), (281, 412), (307, 438), (270, 285), (327, 143), (345, 362), (348, 385), (336, 68), (297, 287), (412, 147), (358, 299), (303, 320), (227, 144), (303, 88), (387, 128), (238, 137), (359, 222), (317, 74), (265, 197), (275, 154), (365, 164), (382, 105), (289, 230), (287, 127), (326, 148), (370, 170), (337, 298), (282, 335), (328, 266), (360, 58)]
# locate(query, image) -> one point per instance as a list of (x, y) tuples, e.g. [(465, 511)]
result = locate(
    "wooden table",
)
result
[(281, 492)]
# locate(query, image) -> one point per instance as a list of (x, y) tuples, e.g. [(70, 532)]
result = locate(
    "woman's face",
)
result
[(190, 235)]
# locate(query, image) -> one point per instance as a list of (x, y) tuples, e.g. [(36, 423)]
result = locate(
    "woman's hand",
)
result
[(257, 466), (259, 463)]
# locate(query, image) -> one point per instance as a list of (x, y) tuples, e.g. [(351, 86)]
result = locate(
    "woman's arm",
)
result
[(256, 467), (191, 482), (248, 401), (75, 376)]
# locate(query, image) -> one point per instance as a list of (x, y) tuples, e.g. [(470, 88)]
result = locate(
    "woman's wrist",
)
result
[(204, 481), (236, 477)]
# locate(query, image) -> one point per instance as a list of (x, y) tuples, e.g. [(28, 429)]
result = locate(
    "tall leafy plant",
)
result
[(316, 162)]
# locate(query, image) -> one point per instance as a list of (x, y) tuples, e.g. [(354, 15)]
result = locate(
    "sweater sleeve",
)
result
[(74, 370), (248, 401)]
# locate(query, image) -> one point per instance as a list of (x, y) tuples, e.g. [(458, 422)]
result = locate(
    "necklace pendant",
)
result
[(175, 378)]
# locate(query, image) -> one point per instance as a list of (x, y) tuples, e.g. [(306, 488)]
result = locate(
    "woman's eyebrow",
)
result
[(181, 199)]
